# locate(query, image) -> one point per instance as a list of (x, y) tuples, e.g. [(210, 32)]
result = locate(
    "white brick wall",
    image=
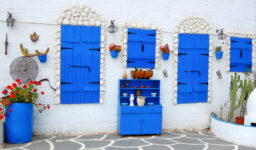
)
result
[(40, 16)]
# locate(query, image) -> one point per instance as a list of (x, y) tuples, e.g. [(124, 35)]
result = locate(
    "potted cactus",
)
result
[(218, 52), (114, 49), (246, 88)]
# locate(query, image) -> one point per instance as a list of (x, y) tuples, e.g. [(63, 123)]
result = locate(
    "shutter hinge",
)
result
[(231, 66), (181, 83), (89, 68), (151, 34), (95, 49), (62, 48), (95, 82), (232, 41), (248, 43), (241, 54), (152, 62), (65, 83), (131, 61), (182, 54), (205, 54), (131, 33), (204, 83)]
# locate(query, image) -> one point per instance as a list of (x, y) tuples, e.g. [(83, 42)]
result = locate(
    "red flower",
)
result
[(5, 114), (14, 85), (48, 106), (31, 82), (17, 80), (12, 93), (42, 92), (38, 83), (9, 87), (9, 103), (10, 110), (4, 92), (1, 117), (24, 86), (40, 104), (34, 90), (12, 96), (18, 91)]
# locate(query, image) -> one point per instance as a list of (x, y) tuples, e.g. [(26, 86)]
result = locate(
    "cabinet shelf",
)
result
[(137, 96), (139, 88)]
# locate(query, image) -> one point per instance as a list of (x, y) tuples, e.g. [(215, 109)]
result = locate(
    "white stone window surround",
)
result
[(80, 15), (192, 25), (240, 35), (141, 26)]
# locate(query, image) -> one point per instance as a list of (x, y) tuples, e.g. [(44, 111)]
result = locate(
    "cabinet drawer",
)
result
[(141, 109)]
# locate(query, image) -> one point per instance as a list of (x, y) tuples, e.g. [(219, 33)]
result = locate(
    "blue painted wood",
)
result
[(80, 64), (193, 58), (141, 48), (137, 120), (240, 54)]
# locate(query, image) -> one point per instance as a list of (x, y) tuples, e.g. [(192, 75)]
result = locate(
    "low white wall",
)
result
[(238, 134)]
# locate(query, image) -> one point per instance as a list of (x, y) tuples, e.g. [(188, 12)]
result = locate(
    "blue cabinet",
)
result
[(139, 120)]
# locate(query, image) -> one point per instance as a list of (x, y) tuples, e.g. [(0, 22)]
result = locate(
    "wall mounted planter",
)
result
[(218, 54), (165, 56), (19, 123), (42, 58), (114, 54)]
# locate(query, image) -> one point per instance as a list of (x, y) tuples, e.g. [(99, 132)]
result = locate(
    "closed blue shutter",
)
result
[(141, 48), (193, 58), (80, 64), (240, 54)]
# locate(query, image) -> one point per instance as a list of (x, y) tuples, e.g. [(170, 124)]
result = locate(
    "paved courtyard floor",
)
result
[(181, 140)]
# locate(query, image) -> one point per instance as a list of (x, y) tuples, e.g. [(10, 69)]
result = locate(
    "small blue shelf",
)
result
[(139, 120)]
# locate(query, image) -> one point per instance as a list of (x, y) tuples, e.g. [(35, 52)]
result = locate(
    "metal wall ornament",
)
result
[(6, 44), (34, 37), (24, 68), (112, 28), (221, 34), (10, 20)]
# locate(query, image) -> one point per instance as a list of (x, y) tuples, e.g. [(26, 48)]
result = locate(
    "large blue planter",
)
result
[(218, 54), (114, 54), (19, 123), (42, 58), (165, 56)]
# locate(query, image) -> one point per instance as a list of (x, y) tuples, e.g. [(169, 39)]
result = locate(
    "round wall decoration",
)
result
[(24, 68)]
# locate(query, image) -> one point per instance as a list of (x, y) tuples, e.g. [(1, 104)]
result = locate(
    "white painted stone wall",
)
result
[(40, 17)]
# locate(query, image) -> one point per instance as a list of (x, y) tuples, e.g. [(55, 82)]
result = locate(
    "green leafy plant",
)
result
[(21, 93), (218, 49)]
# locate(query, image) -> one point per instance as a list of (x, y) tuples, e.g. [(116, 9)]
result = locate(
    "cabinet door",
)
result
[(152, 123), (130, 124)]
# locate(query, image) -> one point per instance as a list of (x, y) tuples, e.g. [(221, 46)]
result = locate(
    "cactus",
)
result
[(235, 85)]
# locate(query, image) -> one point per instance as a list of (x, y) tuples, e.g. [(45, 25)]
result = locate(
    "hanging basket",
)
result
[(165, 56), (42, 58), (218, 54), (19, 123), (114, 54)]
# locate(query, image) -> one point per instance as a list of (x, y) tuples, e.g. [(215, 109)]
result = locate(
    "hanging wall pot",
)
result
[(42, 58), (165, 51), (165, 56), (218, 52), (114, 49)]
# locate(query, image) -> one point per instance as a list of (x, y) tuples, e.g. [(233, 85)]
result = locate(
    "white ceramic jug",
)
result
[(141, 100), (131, 100)]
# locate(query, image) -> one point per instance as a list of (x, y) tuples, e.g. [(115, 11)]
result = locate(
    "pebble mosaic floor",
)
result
[(180, 140)]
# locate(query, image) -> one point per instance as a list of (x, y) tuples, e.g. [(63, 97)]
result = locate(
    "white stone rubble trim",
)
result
[(192, 25), (80, 15), (240, 35), (141, 26)]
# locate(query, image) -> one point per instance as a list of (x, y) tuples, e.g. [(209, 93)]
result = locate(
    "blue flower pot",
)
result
[(114, 54), (19, 123), (165, 56), (42, 58), (218, 54)]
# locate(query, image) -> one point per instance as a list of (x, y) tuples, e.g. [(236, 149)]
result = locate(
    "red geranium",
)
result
[(14, 85), (4, 92), (24, 86), (12, 96), (35, 90), (17, 80), (10, 110), (42, 92)]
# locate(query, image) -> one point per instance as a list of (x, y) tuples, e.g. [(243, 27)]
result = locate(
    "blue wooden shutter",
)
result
[(193, 58), (240, 54), (141, 48), (80, 64)]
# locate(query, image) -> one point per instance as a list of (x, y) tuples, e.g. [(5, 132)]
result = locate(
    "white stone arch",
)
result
[(240, 35), (141, 26), (80, 14), (192, 25)]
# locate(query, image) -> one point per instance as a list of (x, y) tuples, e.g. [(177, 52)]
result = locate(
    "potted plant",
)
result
[(246, 88), (165, 51), (218, 52), (114, 49), (17, 109)]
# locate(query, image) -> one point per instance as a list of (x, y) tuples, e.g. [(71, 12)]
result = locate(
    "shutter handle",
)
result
[(241, 54), (142, 47)]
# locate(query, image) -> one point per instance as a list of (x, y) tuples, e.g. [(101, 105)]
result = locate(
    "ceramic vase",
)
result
[(141, 100), (131, 100)]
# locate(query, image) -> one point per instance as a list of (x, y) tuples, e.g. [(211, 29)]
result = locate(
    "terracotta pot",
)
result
[(142, 74), (240, 120)]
